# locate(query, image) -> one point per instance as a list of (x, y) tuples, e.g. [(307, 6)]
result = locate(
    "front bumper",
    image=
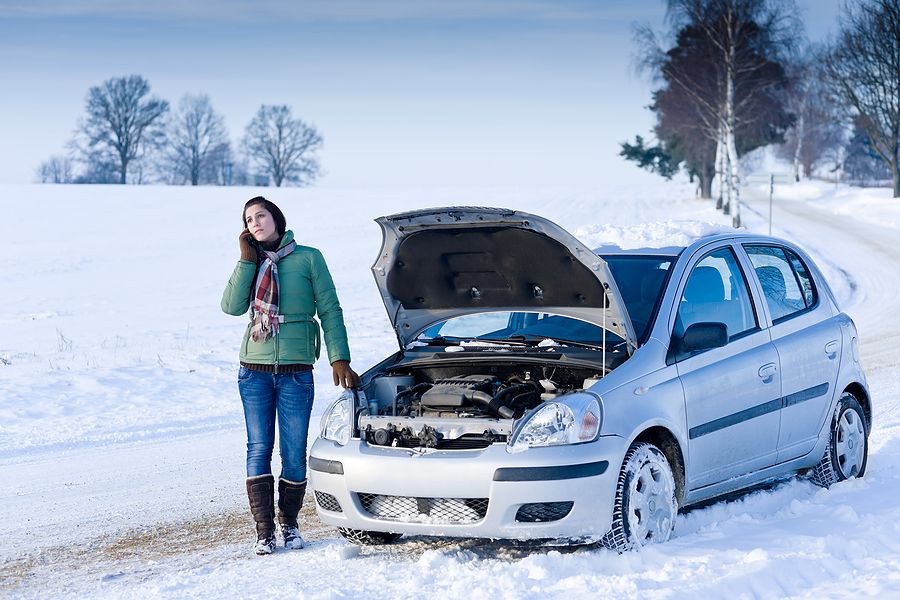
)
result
[(584, 475)]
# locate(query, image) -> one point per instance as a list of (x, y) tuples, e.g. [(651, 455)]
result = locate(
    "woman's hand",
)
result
[(343, 374), (248, 251)]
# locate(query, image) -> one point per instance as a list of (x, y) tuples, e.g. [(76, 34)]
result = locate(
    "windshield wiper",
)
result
[(535, 340), (469, 342)]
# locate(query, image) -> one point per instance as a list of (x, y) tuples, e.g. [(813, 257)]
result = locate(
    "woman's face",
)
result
[(260, 223)]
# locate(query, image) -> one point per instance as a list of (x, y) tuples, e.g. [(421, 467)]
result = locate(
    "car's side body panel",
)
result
[(849, 374), (732, 412), (636, 399), (810, 357)]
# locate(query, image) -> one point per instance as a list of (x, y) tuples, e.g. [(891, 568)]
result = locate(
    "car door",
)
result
[(732, 393), (808, 339)]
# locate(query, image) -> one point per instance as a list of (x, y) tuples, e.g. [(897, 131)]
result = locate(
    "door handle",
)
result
[(831, 349), (767, 372)]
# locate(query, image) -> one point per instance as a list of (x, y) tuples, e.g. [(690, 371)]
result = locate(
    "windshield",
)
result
[(518, 327), (641, 280)]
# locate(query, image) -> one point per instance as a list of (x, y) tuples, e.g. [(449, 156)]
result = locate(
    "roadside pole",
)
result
[(771, 178), (771, 193)]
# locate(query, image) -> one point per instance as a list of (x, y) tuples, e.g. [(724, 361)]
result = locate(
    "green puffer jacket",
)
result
[(305, 289)]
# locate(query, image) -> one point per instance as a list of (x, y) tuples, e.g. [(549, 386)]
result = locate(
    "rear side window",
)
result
[(785, 280), (716, 292)]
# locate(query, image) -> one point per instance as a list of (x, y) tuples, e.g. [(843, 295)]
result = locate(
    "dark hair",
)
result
[(280, 221)]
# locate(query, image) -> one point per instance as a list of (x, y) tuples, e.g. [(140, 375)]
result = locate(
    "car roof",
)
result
[(673, 251)]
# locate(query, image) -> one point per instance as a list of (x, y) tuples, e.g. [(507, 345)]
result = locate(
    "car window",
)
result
[(803, 278), (785, 280), (716, 292), (640, 280)]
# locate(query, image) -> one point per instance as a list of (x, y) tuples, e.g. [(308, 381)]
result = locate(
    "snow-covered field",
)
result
[(121, 432)]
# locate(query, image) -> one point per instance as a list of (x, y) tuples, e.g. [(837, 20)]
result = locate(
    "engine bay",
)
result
[(468, 407)]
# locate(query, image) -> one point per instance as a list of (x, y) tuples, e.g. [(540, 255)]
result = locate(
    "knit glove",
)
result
[(248, 250)]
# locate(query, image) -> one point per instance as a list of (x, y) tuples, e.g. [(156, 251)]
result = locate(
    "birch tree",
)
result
[(722, 87), (744, 35)]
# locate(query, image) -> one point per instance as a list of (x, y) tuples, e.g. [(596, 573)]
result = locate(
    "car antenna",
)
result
[(603, 334)]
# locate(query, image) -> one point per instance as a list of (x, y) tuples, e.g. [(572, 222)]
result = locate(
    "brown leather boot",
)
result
[(290, 501), (261, 493)]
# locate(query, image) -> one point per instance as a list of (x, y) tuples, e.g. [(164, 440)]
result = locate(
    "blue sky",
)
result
[(405, 93)]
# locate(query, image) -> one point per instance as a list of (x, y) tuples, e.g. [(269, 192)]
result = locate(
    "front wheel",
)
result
[(848, 445), (362, 537), (645, 507)]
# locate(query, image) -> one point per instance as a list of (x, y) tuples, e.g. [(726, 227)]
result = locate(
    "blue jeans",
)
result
[(287, 397)]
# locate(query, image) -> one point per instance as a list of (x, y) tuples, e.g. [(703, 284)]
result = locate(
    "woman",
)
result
[(283, 285)]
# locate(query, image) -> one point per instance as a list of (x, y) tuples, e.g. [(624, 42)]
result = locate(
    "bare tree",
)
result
[(57, 169), (863, 68), (283, 147), (219, 165), (818, 131), (196, 141), (799, 99), (99, 167), (121, 123)]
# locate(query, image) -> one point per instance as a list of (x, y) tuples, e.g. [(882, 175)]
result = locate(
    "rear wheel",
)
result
[(645, 507), (848, 445), (362, 537)]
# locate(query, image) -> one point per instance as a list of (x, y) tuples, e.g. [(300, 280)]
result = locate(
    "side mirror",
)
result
[(703, 336)]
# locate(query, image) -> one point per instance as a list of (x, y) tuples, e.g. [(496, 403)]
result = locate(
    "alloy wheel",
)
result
[(850, 443)]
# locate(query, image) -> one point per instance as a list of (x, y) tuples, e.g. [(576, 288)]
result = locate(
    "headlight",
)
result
[(337, 422), (573, 419)]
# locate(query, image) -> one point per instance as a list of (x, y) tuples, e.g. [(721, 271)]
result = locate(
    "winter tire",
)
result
[(645, 507), (848, 445), (362, 537)]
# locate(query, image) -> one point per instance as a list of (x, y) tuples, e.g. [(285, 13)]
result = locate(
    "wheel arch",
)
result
[(666, 441), (859, 392)]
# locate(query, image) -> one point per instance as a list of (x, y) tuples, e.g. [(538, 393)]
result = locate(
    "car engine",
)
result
[(433, 408)]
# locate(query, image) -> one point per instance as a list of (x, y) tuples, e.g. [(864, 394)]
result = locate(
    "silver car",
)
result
[(544, 391)]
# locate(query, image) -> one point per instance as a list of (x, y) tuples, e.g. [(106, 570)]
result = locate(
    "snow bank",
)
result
[(644, 236)]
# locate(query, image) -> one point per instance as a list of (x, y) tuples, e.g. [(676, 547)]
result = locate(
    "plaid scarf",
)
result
[(264, 316)]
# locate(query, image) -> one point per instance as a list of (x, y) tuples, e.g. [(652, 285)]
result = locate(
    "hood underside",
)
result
[(439, 263)]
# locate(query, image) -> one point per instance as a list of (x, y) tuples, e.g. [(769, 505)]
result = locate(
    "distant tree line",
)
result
[(128, 135), (737, 75)]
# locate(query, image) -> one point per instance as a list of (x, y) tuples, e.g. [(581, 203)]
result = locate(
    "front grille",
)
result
[(542, 512), (328, 502), (424, 510), (468, 441)]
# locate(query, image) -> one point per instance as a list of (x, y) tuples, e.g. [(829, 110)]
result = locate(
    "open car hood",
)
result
[(440, 263)]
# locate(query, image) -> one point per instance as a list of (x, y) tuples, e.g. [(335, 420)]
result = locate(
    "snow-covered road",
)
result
[(107, 512)]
